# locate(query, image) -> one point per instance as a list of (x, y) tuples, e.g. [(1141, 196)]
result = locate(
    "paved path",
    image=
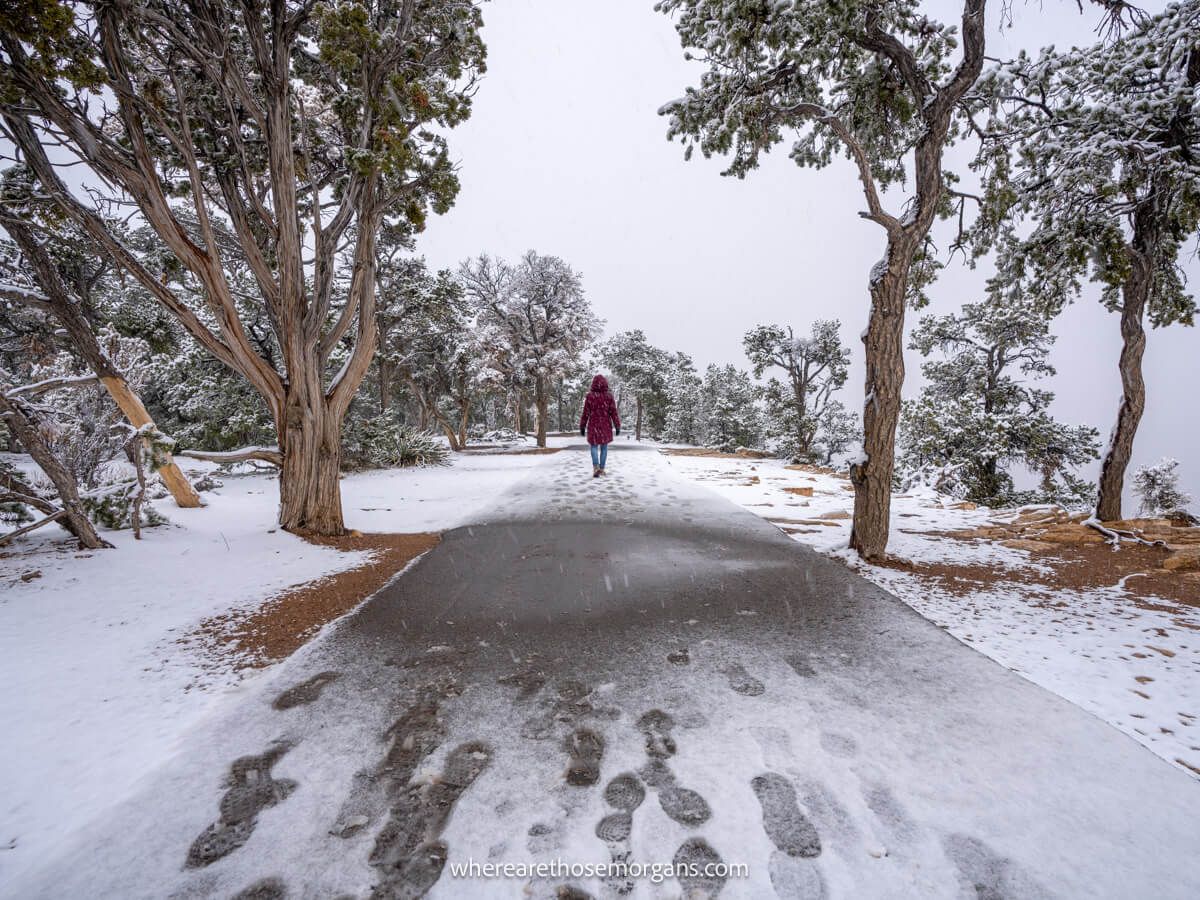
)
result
[(634, 669)]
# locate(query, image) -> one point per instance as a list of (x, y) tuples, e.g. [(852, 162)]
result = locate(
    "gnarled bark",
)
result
[(310, 499), (871, 475), (1135, 293)]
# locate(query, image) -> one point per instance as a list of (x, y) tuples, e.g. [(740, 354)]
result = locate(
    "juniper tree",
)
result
[(979, 414), (1098, 150), (533, 319), (814, 367), (300, 127), (876, 82)]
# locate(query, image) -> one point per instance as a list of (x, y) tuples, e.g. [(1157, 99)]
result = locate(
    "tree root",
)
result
[(1116, 535)]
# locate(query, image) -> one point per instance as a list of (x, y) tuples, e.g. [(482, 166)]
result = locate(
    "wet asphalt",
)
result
[(632, 669)]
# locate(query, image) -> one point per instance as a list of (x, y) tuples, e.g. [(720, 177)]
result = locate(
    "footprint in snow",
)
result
[(795, 879), (267, 889), (683, 805), (693, 858), (625, 792), (250, 790), (656, 726), (840, 745), (409, 854), (305, 692), (785, 824), (585, 748), (742, 682), (800, 665)]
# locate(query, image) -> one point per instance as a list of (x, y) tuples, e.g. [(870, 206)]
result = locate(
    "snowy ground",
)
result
[(1135, 665), (95, 689)]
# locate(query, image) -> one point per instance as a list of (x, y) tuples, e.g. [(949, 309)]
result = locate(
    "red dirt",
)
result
[(1077, 567), (286, 622)]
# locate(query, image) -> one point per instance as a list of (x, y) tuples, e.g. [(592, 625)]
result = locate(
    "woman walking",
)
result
[(598, 422)]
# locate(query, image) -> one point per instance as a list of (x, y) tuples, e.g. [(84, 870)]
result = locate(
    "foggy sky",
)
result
[(565, 154)]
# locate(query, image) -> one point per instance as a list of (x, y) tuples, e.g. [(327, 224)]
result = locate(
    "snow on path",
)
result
[(923, 769), (95, 692), (1135, 667)]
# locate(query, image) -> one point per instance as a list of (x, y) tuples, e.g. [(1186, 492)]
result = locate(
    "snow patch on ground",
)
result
[(1137, 668)]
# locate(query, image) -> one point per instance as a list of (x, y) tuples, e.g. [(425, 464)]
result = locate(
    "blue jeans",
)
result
[(599, 455)]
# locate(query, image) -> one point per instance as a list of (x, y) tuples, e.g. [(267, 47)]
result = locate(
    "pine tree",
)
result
[(978, 416), (682, 422), (273, 138), (427, 339), (729, 416), (534, 323), (876, 83), (1158, 488), (1098, 149)]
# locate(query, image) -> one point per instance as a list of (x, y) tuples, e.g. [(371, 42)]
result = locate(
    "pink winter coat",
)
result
[(599, 413)]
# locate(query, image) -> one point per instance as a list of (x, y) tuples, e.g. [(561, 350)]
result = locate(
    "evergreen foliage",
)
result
[(979, 415)]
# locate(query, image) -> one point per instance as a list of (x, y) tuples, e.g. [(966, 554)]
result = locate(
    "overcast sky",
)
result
[(565, 154)]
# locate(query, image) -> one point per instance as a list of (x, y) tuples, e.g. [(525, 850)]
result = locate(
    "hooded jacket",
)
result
[(599, 413)]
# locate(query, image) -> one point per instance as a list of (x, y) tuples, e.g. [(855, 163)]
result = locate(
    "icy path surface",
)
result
[(634, 669), (1133, 662)]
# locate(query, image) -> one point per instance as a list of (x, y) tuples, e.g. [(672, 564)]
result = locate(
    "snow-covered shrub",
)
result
[(207, 482), (13, 514), (729, 416), (383, 442), (502, 436), (112, 506), (111, 502), (204, 405), (1158, 488)]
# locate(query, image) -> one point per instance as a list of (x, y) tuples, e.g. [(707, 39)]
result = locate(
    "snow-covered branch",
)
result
[(245, 454)]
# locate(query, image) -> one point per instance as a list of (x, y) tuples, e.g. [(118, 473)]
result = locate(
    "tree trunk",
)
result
[(884, 339), (872, 475), (385, 386), (132, 408), (1133, 388), (804, 434), (27, 432), (464, 421), (452, 436), (562, 425), (84, 340), (638, 421), (310, 499), (541, 396)]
